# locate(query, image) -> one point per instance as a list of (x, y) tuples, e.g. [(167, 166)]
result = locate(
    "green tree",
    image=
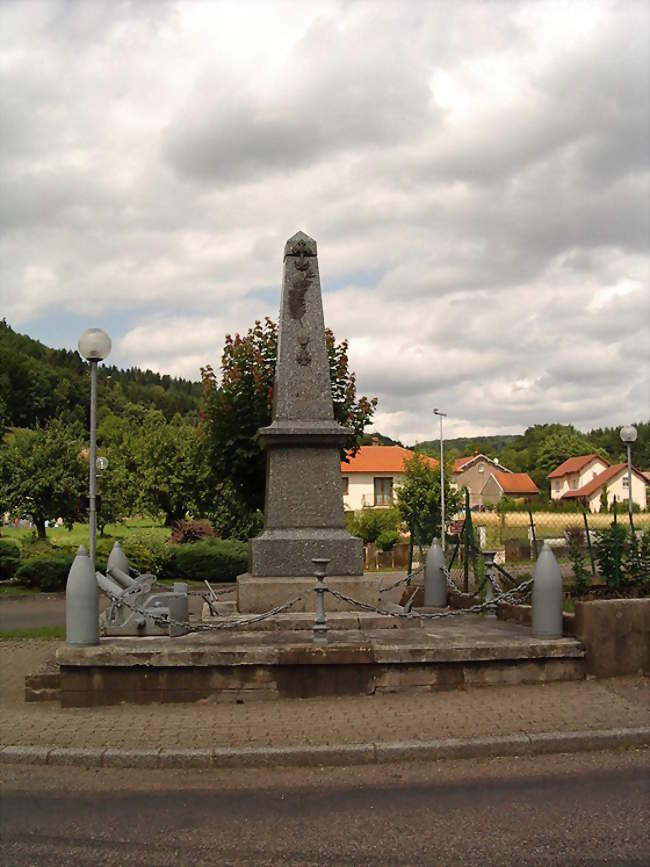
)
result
[(418, 498), (240, 402), (42, 474)]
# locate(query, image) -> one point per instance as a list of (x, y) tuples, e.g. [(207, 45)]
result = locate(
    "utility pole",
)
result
[(441, 415)]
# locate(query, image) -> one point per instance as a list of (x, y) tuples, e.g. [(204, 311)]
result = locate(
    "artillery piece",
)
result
[(135, 608)]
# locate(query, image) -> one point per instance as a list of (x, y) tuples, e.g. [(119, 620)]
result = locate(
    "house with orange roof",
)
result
[(472, 472), (575, 473), (372, 476), (502, 483), (614, 480)]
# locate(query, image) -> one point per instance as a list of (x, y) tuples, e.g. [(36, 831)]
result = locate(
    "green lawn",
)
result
[(51, 632), (62, 537)]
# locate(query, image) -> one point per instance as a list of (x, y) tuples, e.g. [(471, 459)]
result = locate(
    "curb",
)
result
[(534, 744)]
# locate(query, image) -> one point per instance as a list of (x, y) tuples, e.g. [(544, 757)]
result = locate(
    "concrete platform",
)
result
[(236, 666), (256, 594)]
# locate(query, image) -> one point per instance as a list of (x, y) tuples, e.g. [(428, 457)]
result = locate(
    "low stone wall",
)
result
[(616, 635)]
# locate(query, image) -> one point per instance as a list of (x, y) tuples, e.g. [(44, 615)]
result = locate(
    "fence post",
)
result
[(411, 542), (532, 532), (588, 536), (466, 532), (617, 555), (320, 618)]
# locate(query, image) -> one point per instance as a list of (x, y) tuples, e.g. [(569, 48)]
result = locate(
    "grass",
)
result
[(17, 590), (52, 633), (60, 537)]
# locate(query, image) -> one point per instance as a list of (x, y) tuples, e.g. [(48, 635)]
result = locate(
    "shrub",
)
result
[(147, 552), (48, 574), (214, 560), (575, 537), (387, 540), (9, 558), (191, 531), (609, 548), (371, 523)]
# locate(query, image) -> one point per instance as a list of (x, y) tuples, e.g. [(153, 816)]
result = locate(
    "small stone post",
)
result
[(117, 559), (435, 582), (81, 602), (547, 595), (491, 610), (320, 618)]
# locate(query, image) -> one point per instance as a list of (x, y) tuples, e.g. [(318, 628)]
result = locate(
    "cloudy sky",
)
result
[(475, 174)]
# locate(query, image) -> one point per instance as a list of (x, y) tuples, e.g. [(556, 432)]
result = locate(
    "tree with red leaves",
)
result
[(240, 402)]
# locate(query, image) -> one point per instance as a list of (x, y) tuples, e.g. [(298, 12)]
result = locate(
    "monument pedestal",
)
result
[(256, 594)]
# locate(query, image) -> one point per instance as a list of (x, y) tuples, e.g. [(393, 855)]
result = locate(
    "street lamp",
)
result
[(94, 345), (441, 415), (628, 436)]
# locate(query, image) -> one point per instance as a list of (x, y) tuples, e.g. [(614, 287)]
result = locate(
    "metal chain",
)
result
[(406, 580)]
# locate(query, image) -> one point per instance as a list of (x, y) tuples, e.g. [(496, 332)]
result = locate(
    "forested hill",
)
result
[(38, 383)]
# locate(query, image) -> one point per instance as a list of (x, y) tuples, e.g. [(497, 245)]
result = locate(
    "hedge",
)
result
[(214, 560), (9, 558), (49, 574)]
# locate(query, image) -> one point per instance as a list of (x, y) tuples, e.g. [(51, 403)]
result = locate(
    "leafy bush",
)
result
[(214, 560), (9, 558), (387, 540), (575, 537), (371, 523), (48, 574), (147, 552), (610, 549), (184, 532)]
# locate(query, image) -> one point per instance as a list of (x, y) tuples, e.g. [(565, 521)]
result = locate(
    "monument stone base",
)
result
[(257, 594), (288, 552)]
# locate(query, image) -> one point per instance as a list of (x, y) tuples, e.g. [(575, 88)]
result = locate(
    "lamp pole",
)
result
[(94, 346), (441, 415), (628, 436)]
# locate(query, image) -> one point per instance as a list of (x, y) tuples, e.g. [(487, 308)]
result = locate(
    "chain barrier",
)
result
[(510, 596), (406, 581), (502, 596)]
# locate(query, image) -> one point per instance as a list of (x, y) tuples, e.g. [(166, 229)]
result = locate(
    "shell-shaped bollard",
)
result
[(117, 558), (547, 595), (435, 583), (81, 602)]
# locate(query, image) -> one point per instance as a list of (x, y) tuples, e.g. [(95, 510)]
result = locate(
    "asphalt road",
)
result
[(565, 810)]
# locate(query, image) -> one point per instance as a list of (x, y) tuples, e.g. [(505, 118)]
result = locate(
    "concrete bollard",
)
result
[(117, 559), (81, 602), (547, 595), (435, 582)]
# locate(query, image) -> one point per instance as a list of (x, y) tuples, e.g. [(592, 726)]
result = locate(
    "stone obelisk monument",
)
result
[(303, 512)]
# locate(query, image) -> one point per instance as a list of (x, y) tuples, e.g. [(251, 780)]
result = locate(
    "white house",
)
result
[(575, 473), (372, 476), (615, 480)]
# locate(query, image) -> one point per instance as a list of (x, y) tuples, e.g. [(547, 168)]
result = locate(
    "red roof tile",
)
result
[(381, 459), (601, 479), (574, 465), (515, 483)]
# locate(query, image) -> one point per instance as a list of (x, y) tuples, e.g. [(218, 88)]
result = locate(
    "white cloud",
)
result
[(476, 176)]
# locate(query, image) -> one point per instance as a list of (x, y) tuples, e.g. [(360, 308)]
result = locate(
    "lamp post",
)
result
[(441, 415), (628, 436), (94, 346)]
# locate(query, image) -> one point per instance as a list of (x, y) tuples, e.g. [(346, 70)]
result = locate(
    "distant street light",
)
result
[(628, 436), (94, 345), (441, 415)]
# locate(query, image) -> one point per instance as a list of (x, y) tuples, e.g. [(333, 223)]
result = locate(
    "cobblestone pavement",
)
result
[(576, 705)]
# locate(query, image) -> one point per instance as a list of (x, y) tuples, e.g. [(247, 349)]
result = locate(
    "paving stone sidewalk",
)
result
[(497, 711)]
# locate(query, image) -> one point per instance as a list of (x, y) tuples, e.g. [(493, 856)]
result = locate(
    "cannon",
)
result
[(135, 608)]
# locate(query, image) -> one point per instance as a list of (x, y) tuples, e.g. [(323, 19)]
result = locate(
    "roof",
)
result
[(574, 465), (381, 459), (601, 479), (515, 483), (461, 464)]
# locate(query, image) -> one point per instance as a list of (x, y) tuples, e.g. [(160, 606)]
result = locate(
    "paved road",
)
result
[(564, 810)]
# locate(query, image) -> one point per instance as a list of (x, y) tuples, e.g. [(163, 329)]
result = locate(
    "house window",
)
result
[(481, 468), (346, 486), (383, 492), (626, 482), (573, 484)]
